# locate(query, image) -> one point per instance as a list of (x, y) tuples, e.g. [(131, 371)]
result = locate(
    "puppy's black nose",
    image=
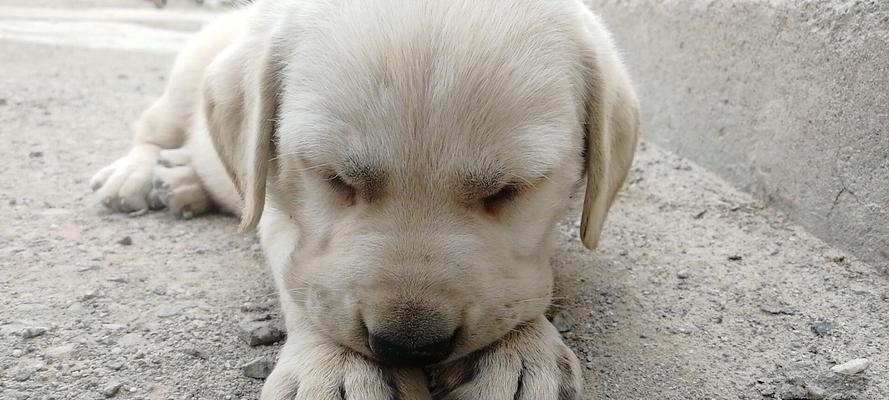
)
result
[(409, 350)]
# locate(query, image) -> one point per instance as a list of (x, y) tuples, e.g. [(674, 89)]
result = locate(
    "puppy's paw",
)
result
[(177, 186), (530, 363), (124, 185), (324, 371)]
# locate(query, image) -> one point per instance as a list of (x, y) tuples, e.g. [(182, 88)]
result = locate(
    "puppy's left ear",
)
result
[(612, 129)]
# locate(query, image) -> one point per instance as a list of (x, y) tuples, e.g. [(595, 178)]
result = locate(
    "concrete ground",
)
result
[(698, 292)]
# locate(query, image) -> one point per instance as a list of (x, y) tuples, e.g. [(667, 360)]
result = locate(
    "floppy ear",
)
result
[(612, 129), (240, 100)]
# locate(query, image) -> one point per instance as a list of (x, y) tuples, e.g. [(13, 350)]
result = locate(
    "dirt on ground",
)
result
[(697, 291)]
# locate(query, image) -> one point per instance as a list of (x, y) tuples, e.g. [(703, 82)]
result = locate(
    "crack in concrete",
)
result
[(844, 189), (836, 200)]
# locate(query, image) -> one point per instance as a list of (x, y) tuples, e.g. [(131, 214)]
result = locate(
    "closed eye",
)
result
[(341, 187), (494, 202)]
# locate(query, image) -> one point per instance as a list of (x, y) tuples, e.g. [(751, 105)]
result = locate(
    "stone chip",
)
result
[(259, 368), (256, 333), (852, 367)]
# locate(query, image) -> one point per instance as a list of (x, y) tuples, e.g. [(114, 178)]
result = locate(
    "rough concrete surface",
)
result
[(788, 99), (698, 291)]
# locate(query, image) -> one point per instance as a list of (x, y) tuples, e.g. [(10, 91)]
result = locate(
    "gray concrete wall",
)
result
[(787, 99)]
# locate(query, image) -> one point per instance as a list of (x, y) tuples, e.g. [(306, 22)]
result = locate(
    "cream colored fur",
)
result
[(397, 155)]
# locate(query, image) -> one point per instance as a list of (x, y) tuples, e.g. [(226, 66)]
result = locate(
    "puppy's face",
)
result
[(425, 175), (424, 152)]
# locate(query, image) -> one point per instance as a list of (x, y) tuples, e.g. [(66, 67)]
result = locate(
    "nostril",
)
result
[(405, 349)]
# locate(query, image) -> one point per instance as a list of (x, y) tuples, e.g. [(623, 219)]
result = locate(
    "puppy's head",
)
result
[(425, 155)]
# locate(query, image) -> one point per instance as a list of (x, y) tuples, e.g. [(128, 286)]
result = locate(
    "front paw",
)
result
[(177, 186), (319, 370), (530, 363), (124, 185)]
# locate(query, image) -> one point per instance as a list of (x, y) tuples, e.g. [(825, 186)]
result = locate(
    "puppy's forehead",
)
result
[(443, 87)]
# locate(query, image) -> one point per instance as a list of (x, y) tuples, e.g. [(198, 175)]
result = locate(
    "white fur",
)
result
[(370, 141)]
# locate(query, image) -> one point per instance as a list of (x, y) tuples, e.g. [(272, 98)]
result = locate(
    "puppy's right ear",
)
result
[(240, 103)]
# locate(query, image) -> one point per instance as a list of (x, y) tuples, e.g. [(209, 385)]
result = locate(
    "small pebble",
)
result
[(852, 367), (33, 331), (17, 353), (822, 328), (562, 322), (61, 351), (125, 241), (259, 368), (683, 274), (194, 352), (76, 307), (111, 389), (131, 340), (257, 316), (21, 375), (735, 258), (253, 307), (815, 392), (115, 365), (167, 311), (257, 333)]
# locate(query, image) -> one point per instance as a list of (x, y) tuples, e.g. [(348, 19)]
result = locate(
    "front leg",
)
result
[(312, 368), (529, 363)]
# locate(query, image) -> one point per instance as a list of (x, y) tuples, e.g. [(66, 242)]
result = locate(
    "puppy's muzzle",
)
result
[(413, 335)]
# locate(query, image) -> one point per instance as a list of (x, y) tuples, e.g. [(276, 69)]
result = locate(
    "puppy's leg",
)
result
[(530, 363), (126, 184), (312, 368)]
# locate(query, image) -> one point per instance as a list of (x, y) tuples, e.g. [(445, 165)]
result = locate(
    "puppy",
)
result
[(405, 162)]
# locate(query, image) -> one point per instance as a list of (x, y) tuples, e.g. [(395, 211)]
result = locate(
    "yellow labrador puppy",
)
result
[(406, 162)]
